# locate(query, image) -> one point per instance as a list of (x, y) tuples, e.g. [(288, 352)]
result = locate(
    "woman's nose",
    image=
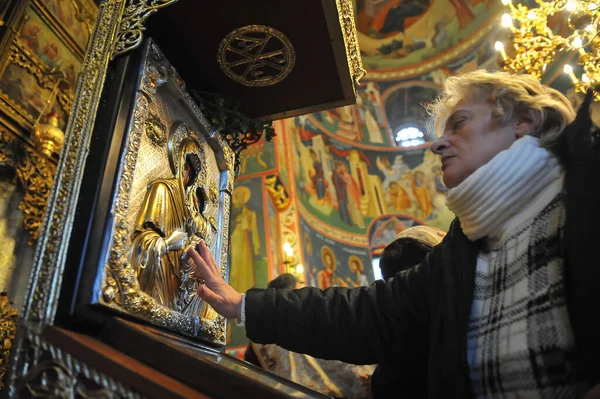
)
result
[(438, 146)]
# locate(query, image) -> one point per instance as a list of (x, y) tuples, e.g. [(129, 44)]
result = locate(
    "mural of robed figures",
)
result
[(357, 268), (347, 187), (329, 263), (245, 239), (348, 195), (328, 277), (317, 175), (370, 117), (396, 33)]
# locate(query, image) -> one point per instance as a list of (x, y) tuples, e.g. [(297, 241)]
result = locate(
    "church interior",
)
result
[(291, 137)]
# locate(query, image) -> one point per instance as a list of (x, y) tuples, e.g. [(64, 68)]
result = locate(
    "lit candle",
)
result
[(500, 48), (568, 69)]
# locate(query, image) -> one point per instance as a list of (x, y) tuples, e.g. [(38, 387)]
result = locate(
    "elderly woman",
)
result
[(507, 304)]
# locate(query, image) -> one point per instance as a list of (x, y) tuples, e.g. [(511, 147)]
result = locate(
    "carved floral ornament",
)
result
[(35, 173), (346, 16), (54, 373), (8, 327), (131, 29)]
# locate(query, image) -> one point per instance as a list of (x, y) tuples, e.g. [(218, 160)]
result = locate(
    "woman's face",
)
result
[(472, 138)]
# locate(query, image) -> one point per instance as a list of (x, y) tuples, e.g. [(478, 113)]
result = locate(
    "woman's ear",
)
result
[(526, 124)]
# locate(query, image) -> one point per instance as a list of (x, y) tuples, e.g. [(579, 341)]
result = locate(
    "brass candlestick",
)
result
[(48, 136)]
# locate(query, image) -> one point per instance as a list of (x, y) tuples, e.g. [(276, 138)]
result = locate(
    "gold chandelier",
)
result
[(536, 44)]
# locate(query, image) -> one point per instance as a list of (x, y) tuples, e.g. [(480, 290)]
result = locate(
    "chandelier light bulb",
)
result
[(507, 21), (536, 43), (299, 269), (287, 248), (568, 69)]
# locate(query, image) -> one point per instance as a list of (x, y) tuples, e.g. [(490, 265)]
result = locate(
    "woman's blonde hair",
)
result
[(521, 96)]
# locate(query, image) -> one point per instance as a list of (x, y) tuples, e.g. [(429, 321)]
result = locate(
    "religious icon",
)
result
[(169, 222)]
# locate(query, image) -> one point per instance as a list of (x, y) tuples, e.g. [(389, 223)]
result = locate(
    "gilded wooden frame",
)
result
[(120, 289), (45, 281)]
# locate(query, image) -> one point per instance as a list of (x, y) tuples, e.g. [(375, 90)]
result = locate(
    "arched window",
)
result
[(376, 269), (409, 136)]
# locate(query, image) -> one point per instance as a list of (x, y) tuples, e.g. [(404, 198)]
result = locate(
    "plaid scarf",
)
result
[(520, 341)]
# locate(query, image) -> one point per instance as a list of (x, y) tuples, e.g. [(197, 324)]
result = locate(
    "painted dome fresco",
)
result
[(398, 38)]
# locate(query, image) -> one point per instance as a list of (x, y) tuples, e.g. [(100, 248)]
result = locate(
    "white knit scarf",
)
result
[(509, 190)]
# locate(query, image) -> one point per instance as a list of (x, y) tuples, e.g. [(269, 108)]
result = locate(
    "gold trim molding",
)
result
[(41, 297), (49, 257), (35, 173), (8, 328), (131, 30), (346, 15), (54, 373)]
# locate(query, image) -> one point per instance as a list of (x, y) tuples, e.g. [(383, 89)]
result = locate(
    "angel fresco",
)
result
[(170, 221)]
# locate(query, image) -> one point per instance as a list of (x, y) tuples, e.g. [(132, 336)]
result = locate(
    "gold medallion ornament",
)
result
[(256, 56)]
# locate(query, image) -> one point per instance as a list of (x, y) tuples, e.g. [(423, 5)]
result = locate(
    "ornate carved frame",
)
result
[(50, 254), (121, 289)]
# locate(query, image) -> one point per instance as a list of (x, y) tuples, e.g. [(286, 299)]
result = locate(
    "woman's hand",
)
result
[(220, 295)]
